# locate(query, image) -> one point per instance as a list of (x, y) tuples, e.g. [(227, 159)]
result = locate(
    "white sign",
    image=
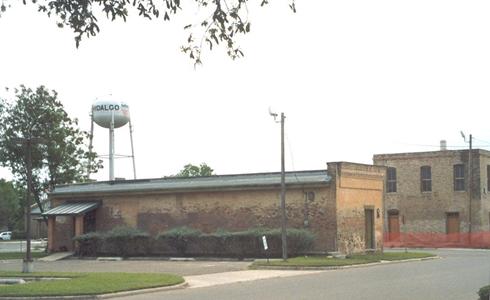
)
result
[(264, 241)]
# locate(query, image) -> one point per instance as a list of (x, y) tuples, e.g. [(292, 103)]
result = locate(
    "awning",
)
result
[(73, 208)]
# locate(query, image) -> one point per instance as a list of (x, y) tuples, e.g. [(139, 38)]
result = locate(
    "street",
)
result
[(458, 275)]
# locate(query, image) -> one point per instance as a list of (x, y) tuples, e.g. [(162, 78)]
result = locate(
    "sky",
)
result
[(354, 78)]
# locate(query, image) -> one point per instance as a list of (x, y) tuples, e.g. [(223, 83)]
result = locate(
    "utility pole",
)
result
[(283, 195), (470, 186), (283, 190), (27, 264), (27, 143)]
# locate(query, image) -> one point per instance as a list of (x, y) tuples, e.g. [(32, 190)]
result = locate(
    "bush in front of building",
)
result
[(249, 243), (120, 241), (484, 293), (126, 241), (299, 241), (88, 244), (178, 239), (186, 241)]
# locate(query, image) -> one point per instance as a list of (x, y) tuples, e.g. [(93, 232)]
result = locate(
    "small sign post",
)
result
[(266, 247)]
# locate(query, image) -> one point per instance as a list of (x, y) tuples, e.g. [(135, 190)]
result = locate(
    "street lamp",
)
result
[(283, 189)]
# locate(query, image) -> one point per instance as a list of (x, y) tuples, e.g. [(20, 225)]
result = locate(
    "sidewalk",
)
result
[(199, 281)]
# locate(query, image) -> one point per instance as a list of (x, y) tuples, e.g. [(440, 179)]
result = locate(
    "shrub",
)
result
[(126, 241), (181, 232), (179, 238), (300, 240), (88, 244), (484, 293), (249, 243), (182, 241)]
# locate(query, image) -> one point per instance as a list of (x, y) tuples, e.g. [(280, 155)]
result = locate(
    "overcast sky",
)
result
[(354, 78)]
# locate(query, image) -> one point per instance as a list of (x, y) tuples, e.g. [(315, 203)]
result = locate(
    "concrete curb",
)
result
[(168, 258), (104, 296), (383, 262), (143, 291), (441, 249)]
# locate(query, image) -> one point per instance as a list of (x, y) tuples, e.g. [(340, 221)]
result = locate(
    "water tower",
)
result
[(111, 114)]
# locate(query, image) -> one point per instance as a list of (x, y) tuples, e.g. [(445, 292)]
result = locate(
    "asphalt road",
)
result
[(458, 275)]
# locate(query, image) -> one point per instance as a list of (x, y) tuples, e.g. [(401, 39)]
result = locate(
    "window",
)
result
[(391, 180), (425, 179), (488, 177), (459, 177)]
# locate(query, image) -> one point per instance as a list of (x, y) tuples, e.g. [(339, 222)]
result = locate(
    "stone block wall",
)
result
[(426, 211), (358, 187), (228, 210)]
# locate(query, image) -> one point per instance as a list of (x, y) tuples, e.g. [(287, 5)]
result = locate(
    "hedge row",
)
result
[(185, 241)]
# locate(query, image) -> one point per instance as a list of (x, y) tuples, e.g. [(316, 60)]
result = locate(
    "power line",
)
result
[(447, 146), (483, 141)]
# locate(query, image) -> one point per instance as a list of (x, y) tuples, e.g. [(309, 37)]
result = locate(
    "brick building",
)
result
[(341, 205), (427, 198)]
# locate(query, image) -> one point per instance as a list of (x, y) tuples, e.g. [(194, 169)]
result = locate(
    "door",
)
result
[(393, 226), (452, 226), (369, 219), (89, 222)]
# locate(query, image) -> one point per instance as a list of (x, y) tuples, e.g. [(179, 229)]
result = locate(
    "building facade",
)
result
[(427, 197), (341, 205)]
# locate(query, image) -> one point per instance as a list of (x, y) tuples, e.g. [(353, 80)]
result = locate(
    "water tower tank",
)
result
[(102, 111)]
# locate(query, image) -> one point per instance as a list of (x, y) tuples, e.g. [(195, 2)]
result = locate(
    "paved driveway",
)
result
[(457, 276)]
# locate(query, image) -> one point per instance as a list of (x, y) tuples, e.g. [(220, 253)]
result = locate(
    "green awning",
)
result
[(73, 208)]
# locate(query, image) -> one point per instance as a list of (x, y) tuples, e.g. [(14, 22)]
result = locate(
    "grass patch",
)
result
[(85, 283), (323, 261), (20, 255), (313, 261), (392, 256)]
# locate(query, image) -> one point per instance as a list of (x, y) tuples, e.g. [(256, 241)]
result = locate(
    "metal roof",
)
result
[(215, 182), (71, 209)]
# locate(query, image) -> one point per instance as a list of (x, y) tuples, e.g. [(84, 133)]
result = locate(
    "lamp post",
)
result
[(283, 189)]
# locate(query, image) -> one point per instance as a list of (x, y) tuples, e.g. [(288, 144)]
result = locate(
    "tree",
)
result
[(191, 170), (225, 19), (58, 148), (10, 205)]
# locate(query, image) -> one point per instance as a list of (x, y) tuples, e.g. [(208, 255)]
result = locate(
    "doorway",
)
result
[(452, 226), (393, 225), (369, 226)]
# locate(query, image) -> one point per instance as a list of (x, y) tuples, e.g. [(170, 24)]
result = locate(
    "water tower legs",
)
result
[(132, 147), (111, 149)]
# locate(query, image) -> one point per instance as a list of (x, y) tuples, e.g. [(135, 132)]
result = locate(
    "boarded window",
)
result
[(391, 180), (425, 179), (459, 177)]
